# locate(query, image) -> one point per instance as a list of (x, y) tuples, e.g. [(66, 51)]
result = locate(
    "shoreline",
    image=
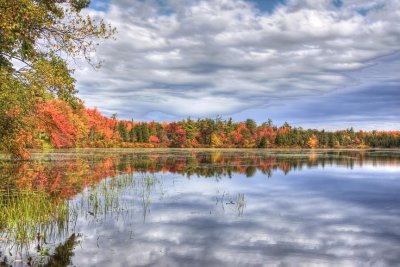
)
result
[(39, 153)]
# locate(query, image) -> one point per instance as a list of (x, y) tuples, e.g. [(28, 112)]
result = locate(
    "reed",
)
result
[(27, 216), (240, 204)]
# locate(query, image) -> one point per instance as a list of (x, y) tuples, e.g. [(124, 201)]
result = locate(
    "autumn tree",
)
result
[(205, 128), (56, 119), (312, 142), (177, 135), (100, 127), (35, 37), (154, 139), (215, 140)]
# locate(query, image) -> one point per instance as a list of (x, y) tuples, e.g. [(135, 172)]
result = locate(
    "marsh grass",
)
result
[(148, 184), (32, 222), (31, 216), (110, 195), (240, 204), (101, 199)]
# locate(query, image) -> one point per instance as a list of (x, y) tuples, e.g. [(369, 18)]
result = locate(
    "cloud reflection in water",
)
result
[(226, 208)]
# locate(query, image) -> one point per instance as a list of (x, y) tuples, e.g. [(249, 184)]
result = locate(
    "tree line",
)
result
[(59, 125)]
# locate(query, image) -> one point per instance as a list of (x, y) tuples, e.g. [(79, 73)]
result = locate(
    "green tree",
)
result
[(145, 132), (132, 135), (139, 133), (123, 133), (263, 143), (190, 127), (251, 125)]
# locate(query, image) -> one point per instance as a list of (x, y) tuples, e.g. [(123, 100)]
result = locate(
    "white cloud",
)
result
[(203, 58)]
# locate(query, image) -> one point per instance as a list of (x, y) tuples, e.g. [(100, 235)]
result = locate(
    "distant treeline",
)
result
[(61, 126)]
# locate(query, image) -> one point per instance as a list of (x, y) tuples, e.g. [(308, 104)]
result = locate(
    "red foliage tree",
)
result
[(100, 127), (176, 134), (55, 119), (154, 139)]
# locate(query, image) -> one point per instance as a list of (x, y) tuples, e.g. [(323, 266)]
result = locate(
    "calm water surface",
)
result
[(201, 208)]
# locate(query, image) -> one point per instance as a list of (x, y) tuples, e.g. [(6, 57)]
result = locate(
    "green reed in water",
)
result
[(27, 216), (35, 221), (108, 195), (105, 197), (240, 204)]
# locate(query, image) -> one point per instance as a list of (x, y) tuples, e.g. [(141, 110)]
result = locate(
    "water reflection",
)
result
[(143, 208)]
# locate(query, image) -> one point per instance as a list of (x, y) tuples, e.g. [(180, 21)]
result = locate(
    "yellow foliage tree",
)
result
[(312, 142), (215, 140)]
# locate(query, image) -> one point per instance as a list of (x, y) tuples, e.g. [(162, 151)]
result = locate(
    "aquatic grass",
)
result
[(106, 197), (27, 216), (240, 204), (148, 184), (109, 196)]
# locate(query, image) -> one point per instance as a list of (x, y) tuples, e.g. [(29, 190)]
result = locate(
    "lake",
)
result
[(180, 207)]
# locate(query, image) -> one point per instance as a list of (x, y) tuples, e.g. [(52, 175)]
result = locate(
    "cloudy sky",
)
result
[(314, 63)]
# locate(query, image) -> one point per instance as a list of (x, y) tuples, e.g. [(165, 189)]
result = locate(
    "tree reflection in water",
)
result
[(38, 198)]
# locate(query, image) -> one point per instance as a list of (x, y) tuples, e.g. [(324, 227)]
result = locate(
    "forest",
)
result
[(59, 125)]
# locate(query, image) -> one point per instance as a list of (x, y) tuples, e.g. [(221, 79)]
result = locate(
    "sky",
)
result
[(314, 63)]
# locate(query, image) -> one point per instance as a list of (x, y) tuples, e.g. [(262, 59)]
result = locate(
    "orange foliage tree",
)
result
[(56, 119)]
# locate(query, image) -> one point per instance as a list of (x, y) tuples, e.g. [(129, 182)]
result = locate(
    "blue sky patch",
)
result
[(100, 5), (268, 6), (337, 3)]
